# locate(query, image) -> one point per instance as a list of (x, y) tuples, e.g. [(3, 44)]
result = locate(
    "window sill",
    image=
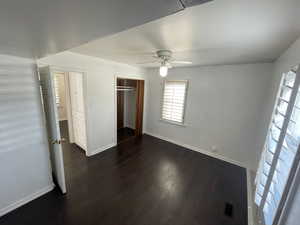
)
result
[(172, 122)]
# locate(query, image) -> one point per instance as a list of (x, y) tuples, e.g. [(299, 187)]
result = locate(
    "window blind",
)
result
[(280, 149), (56, 87), (174, 101)]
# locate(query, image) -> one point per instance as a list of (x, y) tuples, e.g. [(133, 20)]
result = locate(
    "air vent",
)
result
[(190, 3), (228, 209)]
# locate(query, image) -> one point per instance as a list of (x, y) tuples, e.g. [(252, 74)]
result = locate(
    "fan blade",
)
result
[(181, 62), (190, 3), (148, 62)]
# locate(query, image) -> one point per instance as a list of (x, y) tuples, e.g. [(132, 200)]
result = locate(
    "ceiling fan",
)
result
[(165, 60)]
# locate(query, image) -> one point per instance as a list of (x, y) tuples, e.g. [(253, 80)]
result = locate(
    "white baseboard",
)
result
[(101, 149), (25, 200), (80, 145), (197, 149)]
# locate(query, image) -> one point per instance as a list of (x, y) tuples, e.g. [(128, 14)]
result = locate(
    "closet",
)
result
[(130, 95)]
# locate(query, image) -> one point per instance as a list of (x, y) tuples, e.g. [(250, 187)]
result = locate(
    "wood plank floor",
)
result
[(124, 134), (143, 181)]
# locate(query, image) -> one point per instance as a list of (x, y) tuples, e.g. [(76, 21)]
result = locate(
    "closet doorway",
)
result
[(130, 108)]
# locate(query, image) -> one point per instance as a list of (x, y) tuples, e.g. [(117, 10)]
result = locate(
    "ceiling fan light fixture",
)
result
[(163, 70), (165, 59)]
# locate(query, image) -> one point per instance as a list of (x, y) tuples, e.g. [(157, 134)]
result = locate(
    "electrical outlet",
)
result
[(214, 149)]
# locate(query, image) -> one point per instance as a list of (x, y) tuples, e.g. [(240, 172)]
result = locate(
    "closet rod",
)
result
[(125, 88)]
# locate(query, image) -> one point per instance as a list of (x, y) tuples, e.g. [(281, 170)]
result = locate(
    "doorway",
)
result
[(63, 105), (70, 100), (130, 104), (63, 101)]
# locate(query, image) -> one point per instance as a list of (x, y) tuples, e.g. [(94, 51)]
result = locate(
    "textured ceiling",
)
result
[(219, 32)]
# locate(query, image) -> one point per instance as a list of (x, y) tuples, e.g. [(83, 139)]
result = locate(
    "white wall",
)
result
[(24, 156), (129, 109), (287, 60), (225, 108), (100, 94)]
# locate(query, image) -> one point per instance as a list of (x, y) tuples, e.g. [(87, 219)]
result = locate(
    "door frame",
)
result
[(139, 117), (66, 70), (116, 106), (122, 95)]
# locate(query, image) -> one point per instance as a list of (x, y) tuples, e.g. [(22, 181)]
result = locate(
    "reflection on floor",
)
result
[(143, 181), (125, 133), (73, 155)]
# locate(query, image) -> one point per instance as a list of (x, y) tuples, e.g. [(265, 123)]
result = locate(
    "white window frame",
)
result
[(57, 89), (184, 104), (284, 200)]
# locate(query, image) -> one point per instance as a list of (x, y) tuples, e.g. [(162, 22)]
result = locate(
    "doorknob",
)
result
[(58, 141), (55, 142)]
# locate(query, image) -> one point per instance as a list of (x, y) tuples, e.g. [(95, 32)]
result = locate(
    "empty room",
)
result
[(173, 112)]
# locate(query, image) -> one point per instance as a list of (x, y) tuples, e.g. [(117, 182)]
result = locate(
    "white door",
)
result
[(52, 123), (77, 105)]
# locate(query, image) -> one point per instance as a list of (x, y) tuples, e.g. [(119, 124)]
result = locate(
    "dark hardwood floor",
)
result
[(143, 181), (124, 134)]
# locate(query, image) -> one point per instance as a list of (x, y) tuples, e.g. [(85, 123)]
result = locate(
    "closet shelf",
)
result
[(125, 88)]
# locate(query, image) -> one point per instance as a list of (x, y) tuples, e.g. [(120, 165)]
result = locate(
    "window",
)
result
[(56, 89), (280, 150), (173, 104)]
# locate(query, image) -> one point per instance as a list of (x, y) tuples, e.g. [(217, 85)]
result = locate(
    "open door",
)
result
[(52, 123)]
